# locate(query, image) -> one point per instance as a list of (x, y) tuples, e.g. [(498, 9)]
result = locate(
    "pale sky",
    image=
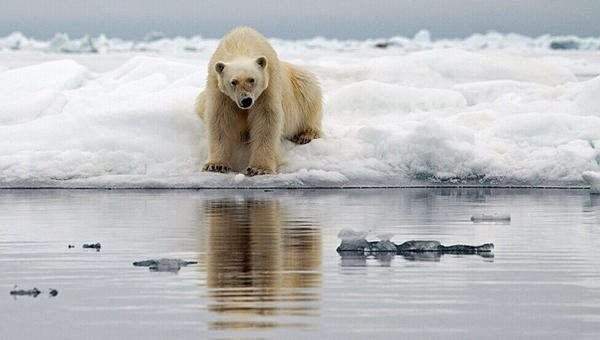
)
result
[(344, 19)]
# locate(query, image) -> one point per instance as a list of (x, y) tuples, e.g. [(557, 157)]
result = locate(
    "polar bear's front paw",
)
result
[(216, 167), (251, 171), (304, 137)]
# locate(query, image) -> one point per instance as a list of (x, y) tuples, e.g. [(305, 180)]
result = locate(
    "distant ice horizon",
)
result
[(159, 42), (154, 35), (293, 20)]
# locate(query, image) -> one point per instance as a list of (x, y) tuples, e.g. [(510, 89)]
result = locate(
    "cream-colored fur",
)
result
[(286, 102)]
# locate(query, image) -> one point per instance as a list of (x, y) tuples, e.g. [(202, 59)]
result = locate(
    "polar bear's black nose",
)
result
[(246, 102)]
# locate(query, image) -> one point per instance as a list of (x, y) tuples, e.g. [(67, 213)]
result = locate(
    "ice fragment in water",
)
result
[(164, 264), (31, 292), (350, 243), (491, 218), (96, 245)]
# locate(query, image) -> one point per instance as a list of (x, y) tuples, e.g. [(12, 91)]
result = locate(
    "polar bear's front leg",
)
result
[(265, 141), (220, 141)]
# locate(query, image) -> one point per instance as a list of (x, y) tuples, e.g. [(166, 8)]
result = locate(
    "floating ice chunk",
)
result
[(31, 292), (164, 264), (96, 245), (495, 217), (353, 245), (593, 178), (419, 246), (383, 246)]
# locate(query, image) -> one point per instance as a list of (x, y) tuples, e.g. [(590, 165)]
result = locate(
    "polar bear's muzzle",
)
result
[(246, 103)]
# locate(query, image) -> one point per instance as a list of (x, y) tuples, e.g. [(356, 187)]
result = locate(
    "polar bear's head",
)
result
[(243, 80)]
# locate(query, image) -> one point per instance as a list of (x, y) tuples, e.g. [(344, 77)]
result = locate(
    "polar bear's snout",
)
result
[(246, 103)]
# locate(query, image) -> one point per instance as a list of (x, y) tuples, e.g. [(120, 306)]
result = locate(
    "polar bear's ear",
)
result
[(219, 66), (262, 61)]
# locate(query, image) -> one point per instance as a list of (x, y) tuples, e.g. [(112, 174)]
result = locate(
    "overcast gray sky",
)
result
[(344, 19)]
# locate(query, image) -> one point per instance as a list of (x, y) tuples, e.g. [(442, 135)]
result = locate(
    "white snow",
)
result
[(593, 178), (489, 109)]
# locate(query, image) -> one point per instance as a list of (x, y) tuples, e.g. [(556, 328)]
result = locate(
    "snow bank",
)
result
[(441, 115), (371, 96)]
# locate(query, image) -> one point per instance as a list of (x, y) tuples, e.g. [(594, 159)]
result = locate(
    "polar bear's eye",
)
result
[(233, 82), (251, 80)]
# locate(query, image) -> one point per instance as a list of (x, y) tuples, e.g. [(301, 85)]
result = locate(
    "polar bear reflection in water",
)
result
[(260, 267)]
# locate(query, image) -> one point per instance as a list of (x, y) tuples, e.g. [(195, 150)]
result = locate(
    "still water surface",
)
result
[(268, 268)]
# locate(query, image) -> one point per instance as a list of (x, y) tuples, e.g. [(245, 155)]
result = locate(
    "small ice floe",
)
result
[(593, 178), (408, 248), (96, 245), (31, 292), (164, 265), (495, 217)]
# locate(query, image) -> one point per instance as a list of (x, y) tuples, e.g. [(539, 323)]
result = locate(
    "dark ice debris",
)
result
[(412, 249), (96, 245), (31, 292), (164, 265)]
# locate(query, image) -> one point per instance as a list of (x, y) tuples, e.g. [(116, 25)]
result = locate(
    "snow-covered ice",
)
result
[(488, 109)]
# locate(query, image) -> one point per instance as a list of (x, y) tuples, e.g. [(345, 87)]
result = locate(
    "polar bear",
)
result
[(251, 97)]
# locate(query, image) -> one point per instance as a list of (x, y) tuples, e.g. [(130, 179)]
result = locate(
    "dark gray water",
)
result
[(268, 268)]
